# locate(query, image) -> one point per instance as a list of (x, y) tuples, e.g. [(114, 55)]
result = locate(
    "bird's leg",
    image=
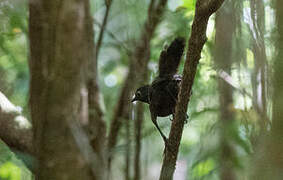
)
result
[(154, 120), (187, 117)]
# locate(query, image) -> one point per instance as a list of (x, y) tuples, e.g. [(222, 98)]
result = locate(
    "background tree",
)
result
[(225, 25), (117, 31), (137, 71), (56, 72), (269, 157)]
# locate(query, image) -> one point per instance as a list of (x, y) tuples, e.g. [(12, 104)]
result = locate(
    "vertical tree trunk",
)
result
[(138, 133), (225, 27), (259, 74), (58, 52), (96, 125), (138, 67), (138, 136), (269, 160), (128, 149)]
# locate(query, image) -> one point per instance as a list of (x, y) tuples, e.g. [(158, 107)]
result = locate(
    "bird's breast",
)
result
[(162, 102)]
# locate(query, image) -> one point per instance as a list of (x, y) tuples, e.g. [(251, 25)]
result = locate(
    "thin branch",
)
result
[(138, 67), (196, 43), (229, 80), (113, 36), (96, 126), (108, 4)]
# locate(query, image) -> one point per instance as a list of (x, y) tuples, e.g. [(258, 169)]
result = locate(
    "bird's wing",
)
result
[(170, 58)]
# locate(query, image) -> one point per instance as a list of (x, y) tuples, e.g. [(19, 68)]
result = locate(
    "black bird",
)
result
[(162, 93)]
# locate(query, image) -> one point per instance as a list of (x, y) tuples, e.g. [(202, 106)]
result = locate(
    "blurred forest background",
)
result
[(235, 110)]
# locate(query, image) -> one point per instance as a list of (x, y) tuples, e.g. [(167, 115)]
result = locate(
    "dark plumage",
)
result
[(162, 94)]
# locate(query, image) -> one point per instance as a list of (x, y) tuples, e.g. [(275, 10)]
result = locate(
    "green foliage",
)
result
[(11, 168), (204, 168), (13, 51), (9, 171), (189, 6)]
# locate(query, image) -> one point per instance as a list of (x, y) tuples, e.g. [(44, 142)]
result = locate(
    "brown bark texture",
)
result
[(58, 53), (138, 140), (138, 66), (204, 9), (138, 133), (128, 148), (225, 30), (269, 159), (15, 129)]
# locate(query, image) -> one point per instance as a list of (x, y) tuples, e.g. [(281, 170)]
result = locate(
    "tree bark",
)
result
[(138, 67), (138, 135), (15, 129), (225, 28), (58, 53), (204, 9), (128, 149)]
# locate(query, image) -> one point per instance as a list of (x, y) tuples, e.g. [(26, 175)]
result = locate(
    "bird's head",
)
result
[(141, 94)]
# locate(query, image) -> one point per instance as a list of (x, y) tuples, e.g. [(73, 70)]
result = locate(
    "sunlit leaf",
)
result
[(10, 171)]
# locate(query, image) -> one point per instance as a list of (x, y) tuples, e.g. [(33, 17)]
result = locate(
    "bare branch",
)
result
[(96, 127), (108, 4), (196, 42), (138, 67), (15, 129), (113, 36)]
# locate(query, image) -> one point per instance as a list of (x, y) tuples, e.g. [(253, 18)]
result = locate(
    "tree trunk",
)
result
[(269, 160), (259, 74), (138, 132), (225, 29), (96, 127), (138, 135), (128, 149), (138, 66), (58, 53)]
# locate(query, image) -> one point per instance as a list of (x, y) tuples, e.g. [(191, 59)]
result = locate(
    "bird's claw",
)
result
[(187, 118)]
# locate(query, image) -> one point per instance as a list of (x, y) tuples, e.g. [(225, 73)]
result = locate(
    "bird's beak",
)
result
[(134, 99)]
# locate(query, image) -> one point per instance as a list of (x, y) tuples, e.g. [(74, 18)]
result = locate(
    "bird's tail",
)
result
[(170, 58)]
